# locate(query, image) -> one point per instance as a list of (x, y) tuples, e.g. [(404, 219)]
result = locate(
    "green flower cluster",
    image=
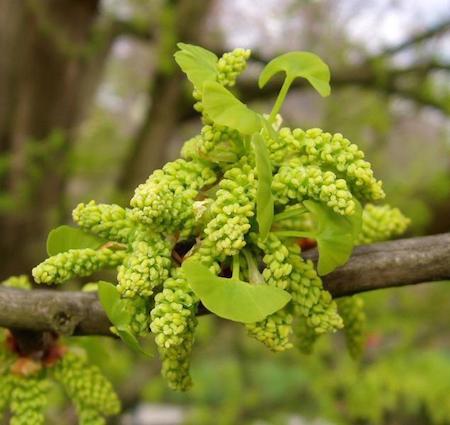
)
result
[(173, 323), (228, 68), (28, 400), (76, 262), (352, 311), (173, 320), (91, 393), (5, 390), (18, 282), (295, 183), (309, 298), (146, 267), (207, 207), (110, 222), (139, 310), (274, 331), (381, 222), (214, 143), (25, 383), (165, 201), (329, 151), (232, 209), (231, 65)]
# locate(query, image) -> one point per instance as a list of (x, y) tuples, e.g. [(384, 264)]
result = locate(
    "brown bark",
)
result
[(47, 78), (371, 267)]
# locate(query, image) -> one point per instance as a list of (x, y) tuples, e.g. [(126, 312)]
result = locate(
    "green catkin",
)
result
[(173, 323), (380, 223), (76, 262), (229, 67), (110, 222), (89, 416), (145, 267), (28, 400), (351, 310), (173, 319), (215, 143), (208, 199), (18, 282), (232, 209), (274, 331), (294, 183), (165, 200), (139, 310), (6, 386), (88, 389), (309, 298), (316, 147)]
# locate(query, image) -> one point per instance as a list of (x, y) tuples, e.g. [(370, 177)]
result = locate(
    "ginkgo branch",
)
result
[(377, 266)]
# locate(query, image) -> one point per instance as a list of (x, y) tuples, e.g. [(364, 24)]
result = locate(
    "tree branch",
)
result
[(416, 38), (365, 76), (123, 28), (382, 265)]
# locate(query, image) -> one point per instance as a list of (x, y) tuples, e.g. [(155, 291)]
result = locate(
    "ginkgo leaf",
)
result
[(225, 109), (231, 298), (334, 236), (197, 63), (112, 304), (299, 64)]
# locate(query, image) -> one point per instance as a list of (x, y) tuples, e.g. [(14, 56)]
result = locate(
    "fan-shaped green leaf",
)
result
[(225, 109), (197, 63), (231, 298), (334, 237), (299, 64)]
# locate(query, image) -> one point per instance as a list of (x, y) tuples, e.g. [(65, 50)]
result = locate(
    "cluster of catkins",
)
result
[(202, 206), (25, 379)]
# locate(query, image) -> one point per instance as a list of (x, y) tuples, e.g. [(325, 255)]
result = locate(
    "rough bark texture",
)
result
[(389, 264), (371, 267), (66, 313), (47, 79)]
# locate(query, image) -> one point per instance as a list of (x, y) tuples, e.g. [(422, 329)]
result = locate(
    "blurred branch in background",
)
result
[(182, 20)]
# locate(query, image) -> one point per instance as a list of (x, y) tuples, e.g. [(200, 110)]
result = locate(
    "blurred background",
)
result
[(91, 102)]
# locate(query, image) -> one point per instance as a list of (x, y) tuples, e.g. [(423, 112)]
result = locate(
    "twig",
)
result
[(382, 265)]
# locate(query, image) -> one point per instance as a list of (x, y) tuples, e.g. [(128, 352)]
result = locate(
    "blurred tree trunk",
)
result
[(48, 74), (183, 22)]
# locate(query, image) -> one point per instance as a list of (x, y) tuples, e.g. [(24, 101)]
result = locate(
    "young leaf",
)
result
[(112, 304), (115, 309), (65, 237), (299, 64), (264, 197), (296, 64), (197, 63), (225, 109), (231, 298), (130, 339), (334, 237)]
